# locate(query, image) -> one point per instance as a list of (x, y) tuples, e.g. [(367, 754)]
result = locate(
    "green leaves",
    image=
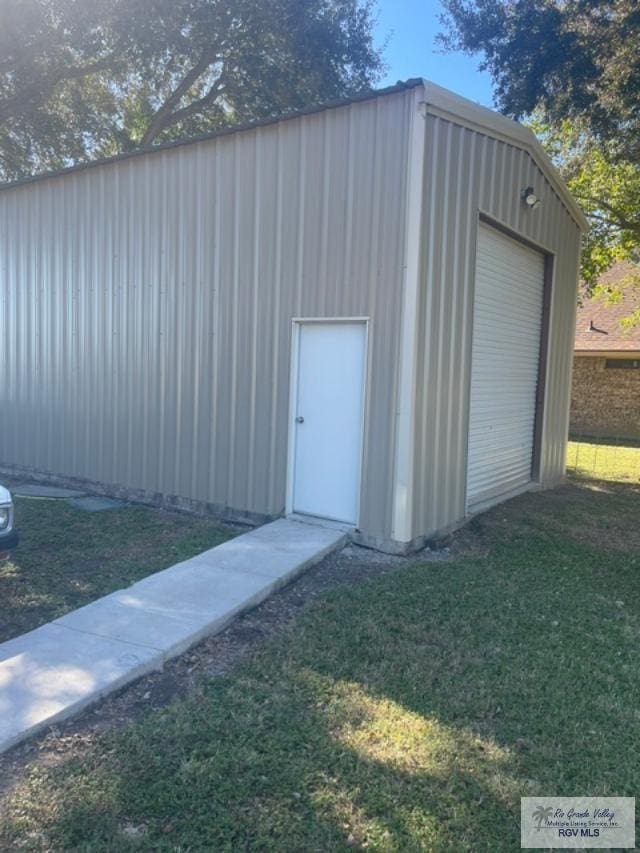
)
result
[(81, 79), (574, 60), (606, 186), (574, 66)]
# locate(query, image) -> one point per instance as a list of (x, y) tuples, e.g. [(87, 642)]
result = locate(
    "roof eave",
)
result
[(437, 99), (442, 102), (365, 95)]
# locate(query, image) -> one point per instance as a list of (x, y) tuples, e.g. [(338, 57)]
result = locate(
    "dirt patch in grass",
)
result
[(374, 704), (215, 657)]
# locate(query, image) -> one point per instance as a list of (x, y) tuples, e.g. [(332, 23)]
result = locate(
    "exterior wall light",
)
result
[(530, 198)]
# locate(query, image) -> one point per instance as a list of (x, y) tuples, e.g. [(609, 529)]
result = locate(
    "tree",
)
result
[(51, 56), (575, 64), (86, 78), (574, 59), (606, 187)]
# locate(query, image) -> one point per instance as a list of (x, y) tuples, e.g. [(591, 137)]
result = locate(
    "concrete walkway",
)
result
[(52, 672)]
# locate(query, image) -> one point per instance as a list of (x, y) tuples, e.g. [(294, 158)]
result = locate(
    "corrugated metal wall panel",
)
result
[(146, 305), (468, 172)]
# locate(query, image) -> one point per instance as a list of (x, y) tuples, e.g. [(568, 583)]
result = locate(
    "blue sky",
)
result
[(412, 26)]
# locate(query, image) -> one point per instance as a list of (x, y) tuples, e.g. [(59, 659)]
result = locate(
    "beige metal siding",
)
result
[(468, 172), (146, 305)]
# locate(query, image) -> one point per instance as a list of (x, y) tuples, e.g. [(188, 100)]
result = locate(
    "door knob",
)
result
[(299, 419)]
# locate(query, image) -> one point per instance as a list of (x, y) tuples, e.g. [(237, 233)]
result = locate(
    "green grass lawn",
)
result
[(407, 713), (604, 461), (67, 558)]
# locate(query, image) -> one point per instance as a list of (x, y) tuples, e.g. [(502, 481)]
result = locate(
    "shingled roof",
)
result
[(598, 325)]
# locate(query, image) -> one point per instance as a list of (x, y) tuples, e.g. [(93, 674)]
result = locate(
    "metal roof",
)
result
[(438, 100), (366, 95)]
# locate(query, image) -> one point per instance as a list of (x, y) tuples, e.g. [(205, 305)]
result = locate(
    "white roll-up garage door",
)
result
[(507, 325)]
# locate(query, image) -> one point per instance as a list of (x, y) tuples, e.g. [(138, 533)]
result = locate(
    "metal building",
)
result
[(352, 313)]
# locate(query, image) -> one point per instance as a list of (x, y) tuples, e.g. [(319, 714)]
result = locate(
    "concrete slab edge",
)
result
[(153, 664), (157, 662)]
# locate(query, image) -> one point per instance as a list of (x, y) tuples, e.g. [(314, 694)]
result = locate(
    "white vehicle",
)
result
[(8, 534)]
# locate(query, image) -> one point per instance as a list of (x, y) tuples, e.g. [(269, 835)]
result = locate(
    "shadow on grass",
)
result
[(408, 713), (314, 765)]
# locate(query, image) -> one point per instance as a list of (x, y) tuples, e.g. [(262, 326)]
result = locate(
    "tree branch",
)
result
[(164, 116), (617, 218), (198, 106)]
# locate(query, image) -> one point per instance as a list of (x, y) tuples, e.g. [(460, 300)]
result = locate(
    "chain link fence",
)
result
[(614, 459)]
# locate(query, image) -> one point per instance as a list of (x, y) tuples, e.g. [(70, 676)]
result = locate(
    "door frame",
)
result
[(296, 329), (549, 268)]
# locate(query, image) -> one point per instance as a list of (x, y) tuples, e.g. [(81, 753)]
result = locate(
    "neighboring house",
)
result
[(345, 314), (605, 401)]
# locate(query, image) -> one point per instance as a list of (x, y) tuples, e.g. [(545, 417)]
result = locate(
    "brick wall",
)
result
[(604, 402)]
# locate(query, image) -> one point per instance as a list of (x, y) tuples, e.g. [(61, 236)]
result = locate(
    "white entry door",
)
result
[(327, 412), (507, 326)]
